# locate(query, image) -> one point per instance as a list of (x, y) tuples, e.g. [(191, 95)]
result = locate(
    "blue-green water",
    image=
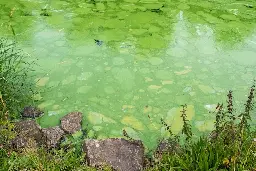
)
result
[(152, 56)]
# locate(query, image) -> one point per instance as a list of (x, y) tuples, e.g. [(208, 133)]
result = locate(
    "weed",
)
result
[(167, 127), (186, 130), (245, 116), (230, 107), (219, 117)]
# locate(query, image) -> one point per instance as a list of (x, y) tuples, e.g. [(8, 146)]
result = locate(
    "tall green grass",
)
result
[(16, 87)]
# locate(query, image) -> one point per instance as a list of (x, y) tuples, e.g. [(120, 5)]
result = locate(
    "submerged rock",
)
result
[(118, 153), (28, 134), (98, 42), (71, 122), (31, 112), (53, 136)]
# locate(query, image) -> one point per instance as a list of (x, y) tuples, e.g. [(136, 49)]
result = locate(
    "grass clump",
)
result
[(15, 86), (230, 146), (43, 160)]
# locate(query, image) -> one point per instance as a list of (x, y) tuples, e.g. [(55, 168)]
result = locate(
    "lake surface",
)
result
[(127, 64)]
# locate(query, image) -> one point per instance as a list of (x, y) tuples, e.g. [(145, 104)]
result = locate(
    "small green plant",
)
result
[(186, 130), (167, 127), (172, 137)]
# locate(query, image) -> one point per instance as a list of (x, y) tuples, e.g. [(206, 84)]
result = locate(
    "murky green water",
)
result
[(152, 56)]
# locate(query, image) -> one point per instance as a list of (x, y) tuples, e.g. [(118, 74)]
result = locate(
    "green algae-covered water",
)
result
[(127, 64)]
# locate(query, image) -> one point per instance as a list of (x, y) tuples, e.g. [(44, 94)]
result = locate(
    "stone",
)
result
[(228, 133), (28, 131), (71, 122), (31, 112), (213, 136), (53, 136), (120, 154), (20, 142), (169, 147)]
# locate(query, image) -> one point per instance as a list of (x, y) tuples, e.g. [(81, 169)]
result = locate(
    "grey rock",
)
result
[(28, 131), (71, 122), (213, 136), (31, 112), (20, 142), (53, 136), (228, 133), (118, 153), (169, 147)]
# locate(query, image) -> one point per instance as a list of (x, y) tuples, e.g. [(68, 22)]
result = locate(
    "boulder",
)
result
[(71, 122), (120, 154), (31, 112), (53, 136), (28, 131), (21, 142)]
